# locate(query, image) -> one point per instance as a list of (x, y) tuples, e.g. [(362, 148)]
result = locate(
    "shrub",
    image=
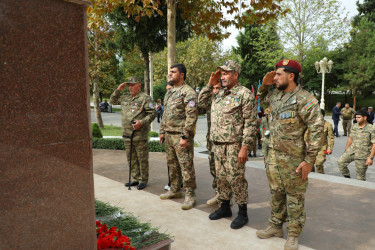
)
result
[(96, 133), (118, 144), (153, 134)]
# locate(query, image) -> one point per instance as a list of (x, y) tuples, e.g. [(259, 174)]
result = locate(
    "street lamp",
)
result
[(323, 67)]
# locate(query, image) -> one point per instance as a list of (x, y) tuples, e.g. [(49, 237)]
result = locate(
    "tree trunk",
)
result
[(95, 94), (354, 99), (146, 61), (171, 17)]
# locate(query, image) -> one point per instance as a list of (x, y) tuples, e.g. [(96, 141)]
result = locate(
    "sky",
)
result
[(349, 6)]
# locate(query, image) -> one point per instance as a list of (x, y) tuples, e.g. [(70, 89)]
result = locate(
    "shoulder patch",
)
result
[(191, 103), (151, 105), (310, 104)]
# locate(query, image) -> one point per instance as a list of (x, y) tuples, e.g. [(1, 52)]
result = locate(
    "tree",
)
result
[(365, 9), (260, 49), (200, 56), (149, 34), (206, 16), (100, 54), (309, 21), (360, 59)]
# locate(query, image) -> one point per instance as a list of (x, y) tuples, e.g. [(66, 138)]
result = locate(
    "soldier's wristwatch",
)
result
[(184, 137), (372, 158)]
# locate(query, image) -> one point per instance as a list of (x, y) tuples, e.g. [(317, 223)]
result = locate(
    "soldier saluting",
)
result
[(138, 107), (233, 128), (293, 111)]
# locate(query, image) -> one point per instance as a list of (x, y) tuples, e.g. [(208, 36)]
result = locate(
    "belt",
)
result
[(173, 132), (223, 143)]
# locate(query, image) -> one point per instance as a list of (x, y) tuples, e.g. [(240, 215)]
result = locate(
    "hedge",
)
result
[(96, 132), (118, 144)]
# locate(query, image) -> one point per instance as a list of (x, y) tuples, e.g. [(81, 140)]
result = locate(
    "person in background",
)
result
[(159, 110), (347, 114), (370, 118), (336, 118)]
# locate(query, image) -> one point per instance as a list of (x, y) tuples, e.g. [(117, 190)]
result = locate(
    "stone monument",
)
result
[(46, 169)]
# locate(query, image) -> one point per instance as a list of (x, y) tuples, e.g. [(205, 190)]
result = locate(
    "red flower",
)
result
[(111, 238), (325, 151)]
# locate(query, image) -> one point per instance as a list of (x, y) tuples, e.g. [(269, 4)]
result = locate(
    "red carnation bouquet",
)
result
[(111, 238)]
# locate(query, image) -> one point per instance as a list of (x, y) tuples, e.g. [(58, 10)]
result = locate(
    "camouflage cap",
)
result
[(231, 66), (133, 80)]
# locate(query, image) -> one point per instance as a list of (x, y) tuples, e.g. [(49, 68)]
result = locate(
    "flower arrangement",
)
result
[(111, 238)]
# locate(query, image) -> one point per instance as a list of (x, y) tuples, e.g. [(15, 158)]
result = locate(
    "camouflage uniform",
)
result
[(233, 117), (327, 145), (358, 151), (139, 108), (291, 114), (347, 116), (211, 159), (179, 119), (265, 133)]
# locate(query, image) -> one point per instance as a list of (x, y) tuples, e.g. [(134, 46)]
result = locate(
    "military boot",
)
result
[(214, 200), (291, 243), (223, 211), (170, 195), (269, 232), (189, 201), (241, 219)]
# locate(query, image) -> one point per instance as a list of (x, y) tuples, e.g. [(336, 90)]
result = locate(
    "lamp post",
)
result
[(323, 67)]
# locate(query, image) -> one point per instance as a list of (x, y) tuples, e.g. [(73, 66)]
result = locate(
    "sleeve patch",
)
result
[(309, 105), (191, 104), (151, 105)]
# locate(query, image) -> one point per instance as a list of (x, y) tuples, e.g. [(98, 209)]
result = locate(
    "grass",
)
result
[(111, 130)]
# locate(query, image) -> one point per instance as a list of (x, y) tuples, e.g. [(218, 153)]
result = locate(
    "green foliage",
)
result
[(366, 9), (260, 49), (200, 56), (160, 90), (118, 144), (140, 234), (96, 133), (108, 143), (360, 66)]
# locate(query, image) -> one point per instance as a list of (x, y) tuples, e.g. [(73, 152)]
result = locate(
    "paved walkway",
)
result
[(339, 211)]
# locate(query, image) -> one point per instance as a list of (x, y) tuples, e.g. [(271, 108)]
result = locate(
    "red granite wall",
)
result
[(46, 175)]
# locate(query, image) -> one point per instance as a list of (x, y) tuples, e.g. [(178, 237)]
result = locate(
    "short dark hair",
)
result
[(362, 112), (181, 68), (294, 71)]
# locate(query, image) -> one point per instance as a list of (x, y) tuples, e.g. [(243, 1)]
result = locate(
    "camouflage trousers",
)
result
[(347, 125), (139, 171), (230, 173), (360, 165), (211, 161), (319, 162), (265, 149), (287, 191), (253, 146), (180, 161)]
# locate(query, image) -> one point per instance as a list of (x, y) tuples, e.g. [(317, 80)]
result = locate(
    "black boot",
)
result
[(241, 219), (347, 176), (223, 211)]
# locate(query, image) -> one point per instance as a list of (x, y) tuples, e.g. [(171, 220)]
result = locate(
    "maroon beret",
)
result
[(291, 64)]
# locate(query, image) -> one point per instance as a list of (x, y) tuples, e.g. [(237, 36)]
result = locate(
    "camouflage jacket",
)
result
[(233, 114), (291, 114), (139, 108), (363, 139), (328, 137), (205, 108), (265, 131), (347, 114), (180, 111)]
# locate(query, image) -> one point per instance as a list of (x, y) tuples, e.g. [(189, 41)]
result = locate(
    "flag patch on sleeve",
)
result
[(309, 105)]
